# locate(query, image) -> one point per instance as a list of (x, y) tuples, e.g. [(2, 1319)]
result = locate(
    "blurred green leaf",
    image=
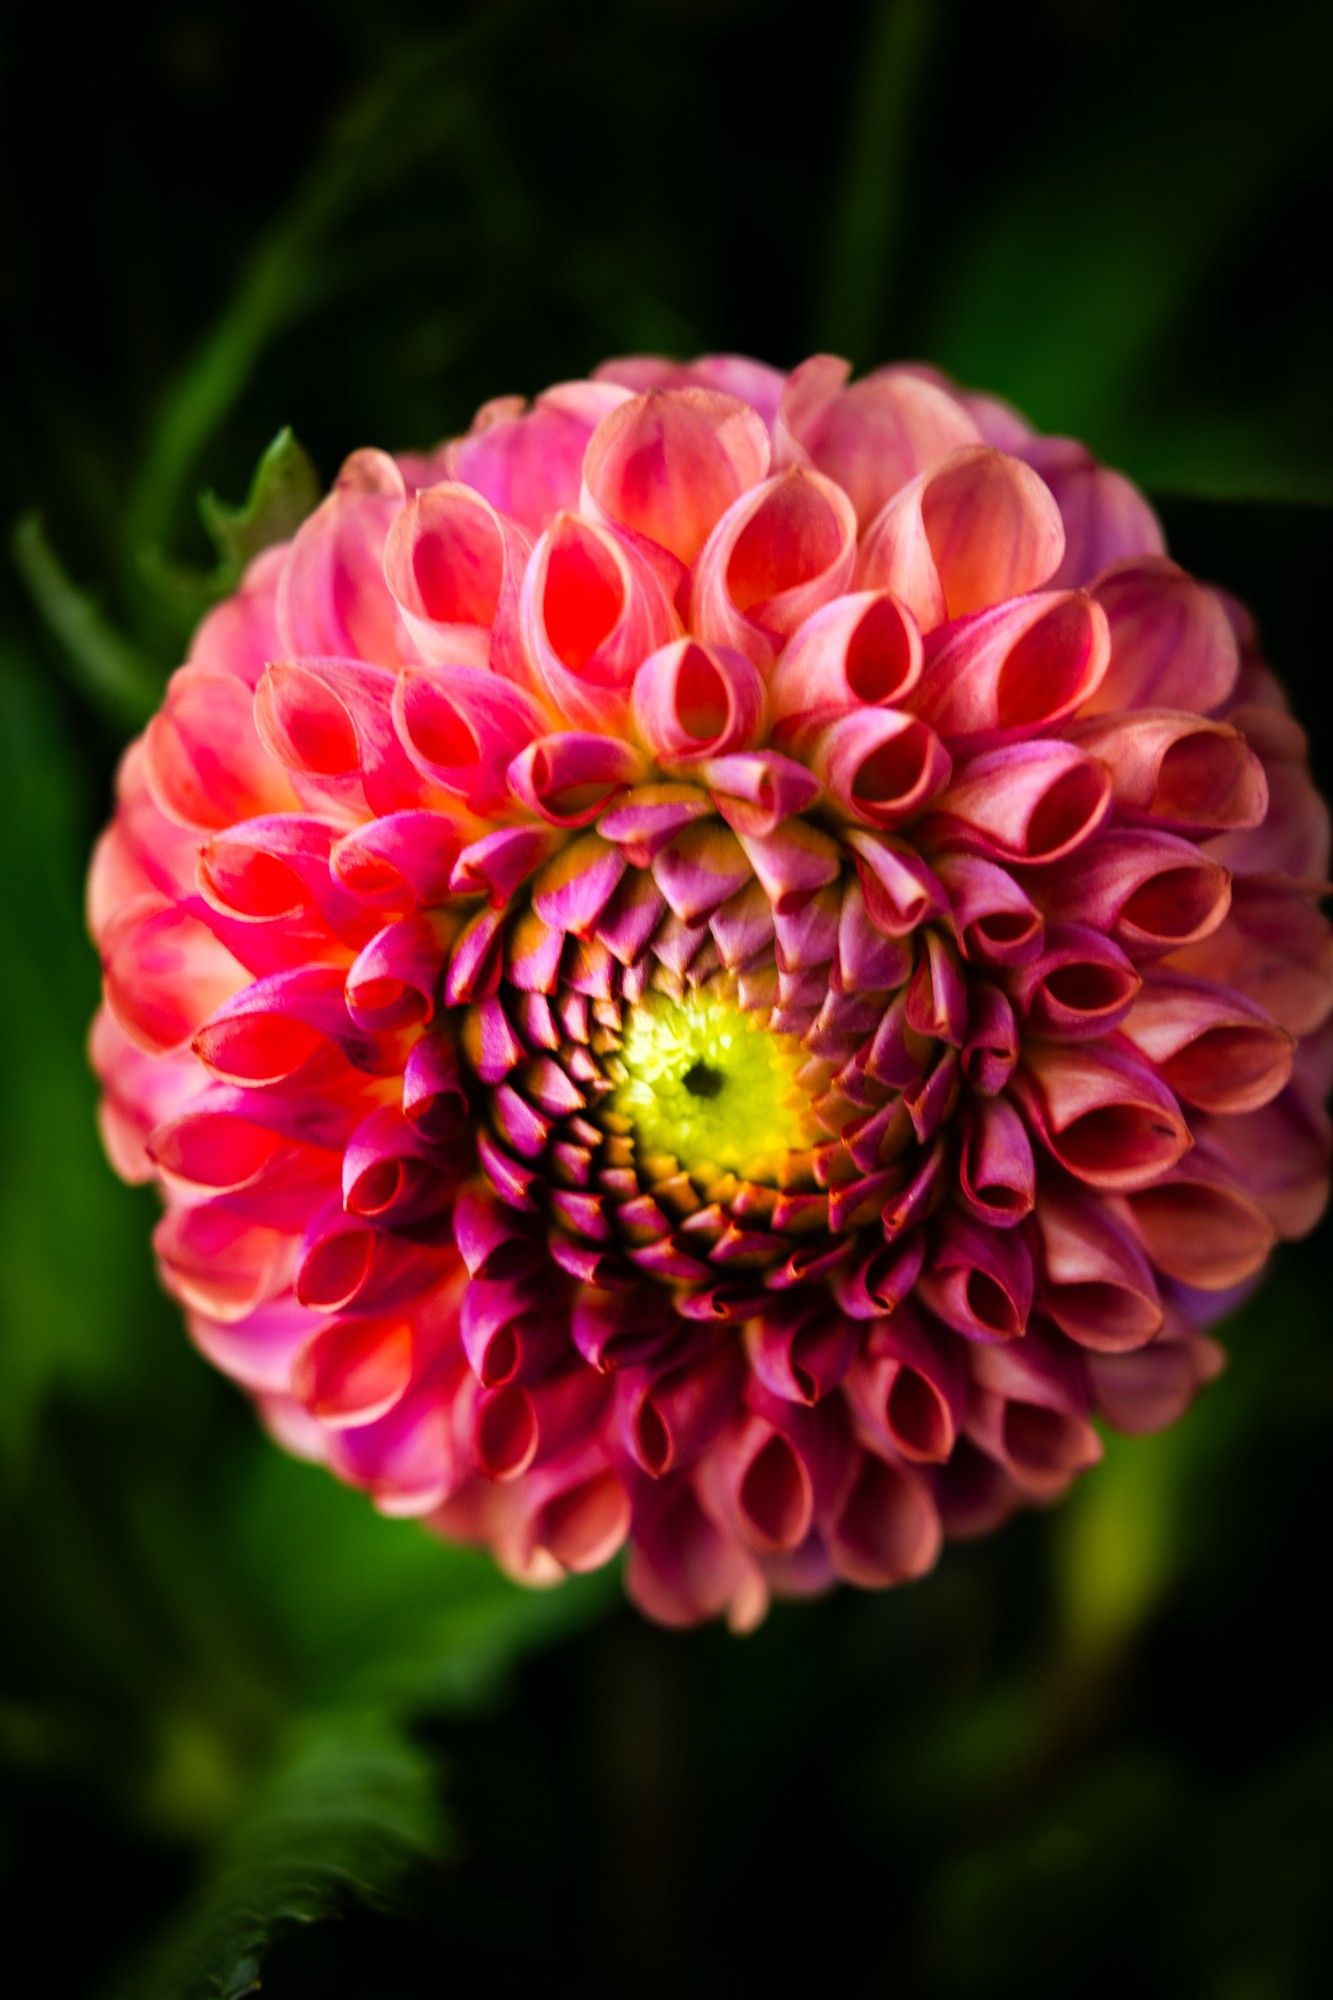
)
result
[(409, 112), (285, 488), (114, 676), (1118, 1543), (72, 1248), (867, 209), (347, 1814)]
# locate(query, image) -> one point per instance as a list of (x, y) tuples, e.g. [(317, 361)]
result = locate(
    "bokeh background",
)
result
[(247, 1726)]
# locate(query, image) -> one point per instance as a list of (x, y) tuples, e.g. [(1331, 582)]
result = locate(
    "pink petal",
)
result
[(971, 532), (778, 553), (692, 701), (668, 464), (1019, 667)]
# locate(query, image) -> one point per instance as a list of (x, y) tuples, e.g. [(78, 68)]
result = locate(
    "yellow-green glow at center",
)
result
[(710, 1085)]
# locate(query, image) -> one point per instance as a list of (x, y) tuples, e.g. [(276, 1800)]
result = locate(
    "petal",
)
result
[(778, 553), (1105, 517), (692, 701), (668, 463), (332, 599), (967, 534), (862, 649), (1016, 668)]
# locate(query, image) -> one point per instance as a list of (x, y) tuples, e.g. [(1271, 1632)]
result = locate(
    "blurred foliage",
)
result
[(1093, 1754)]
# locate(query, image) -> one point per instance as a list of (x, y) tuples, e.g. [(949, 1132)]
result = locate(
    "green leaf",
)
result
[(72, 1250), (112, 674), (867, 213), (284, 490), (347, 1814)]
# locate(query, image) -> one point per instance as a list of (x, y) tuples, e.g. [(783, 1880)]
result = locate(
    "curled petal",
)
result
[(287, 1025), (692, 702), (578, 1513), (1029, 1413), (396, 981), (569, 778), (1080, 985), (1152, 1387), (499, 1429), (433, 1094), (528, 463), (330, 723), (1175, 770), (352, 1371), (1096, 1281), (668, 463), (778, 553), (908, 1392), (757, 1482), (992, 1045), (1276, 947), (332, 598), (979, 1281), (801, 1356), (1214, 1049), (402, 862), (408, 1459), (204, 762), (996, 1171), (682, 1567), (221, 1264), (462, 727), (886, 1529), (453, 565), (995, 920), (1031, 802), (669, 1416), (1016, 668), (590, 609), (1280, 1153), (972, 531), (1172, 644), (860, 650), (391, 1171), (756, 790), (273, 895), (164, 971), (880, 766), (1103, 1114), (875, 435), (1151, 892), (1202, 1227), (1105, 517)]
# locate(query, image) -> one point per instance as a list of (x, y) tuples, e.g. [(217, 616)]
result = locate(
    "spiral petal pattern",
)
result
[(725, 964)]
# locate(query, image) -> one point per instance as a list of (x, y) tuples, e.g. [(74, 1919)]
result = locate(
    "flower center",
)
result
[(704, 1083)]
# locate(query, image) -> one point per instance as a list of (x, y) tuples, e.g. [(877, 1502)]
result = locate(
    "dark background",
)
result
[(1093, 1755)]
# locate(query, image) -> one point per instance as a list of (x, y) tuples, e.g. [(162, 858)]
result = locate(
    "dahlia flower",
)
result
[(724, 964)]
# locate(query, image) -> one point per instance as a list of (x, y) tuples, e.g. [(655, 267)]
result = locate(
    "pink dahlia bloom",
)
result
[(724, 964)]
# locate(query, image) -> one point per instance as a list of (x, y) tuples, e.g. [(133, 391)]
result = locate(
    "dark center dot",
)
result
[(702, 1080)]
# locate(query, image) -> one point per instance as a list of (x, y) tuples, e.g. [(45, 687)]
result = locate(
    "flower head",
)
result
[(723, 963)]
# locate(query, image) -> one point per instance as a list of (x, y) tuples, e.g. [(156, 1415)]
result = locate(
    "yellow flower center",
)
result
[(708, 1085)]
